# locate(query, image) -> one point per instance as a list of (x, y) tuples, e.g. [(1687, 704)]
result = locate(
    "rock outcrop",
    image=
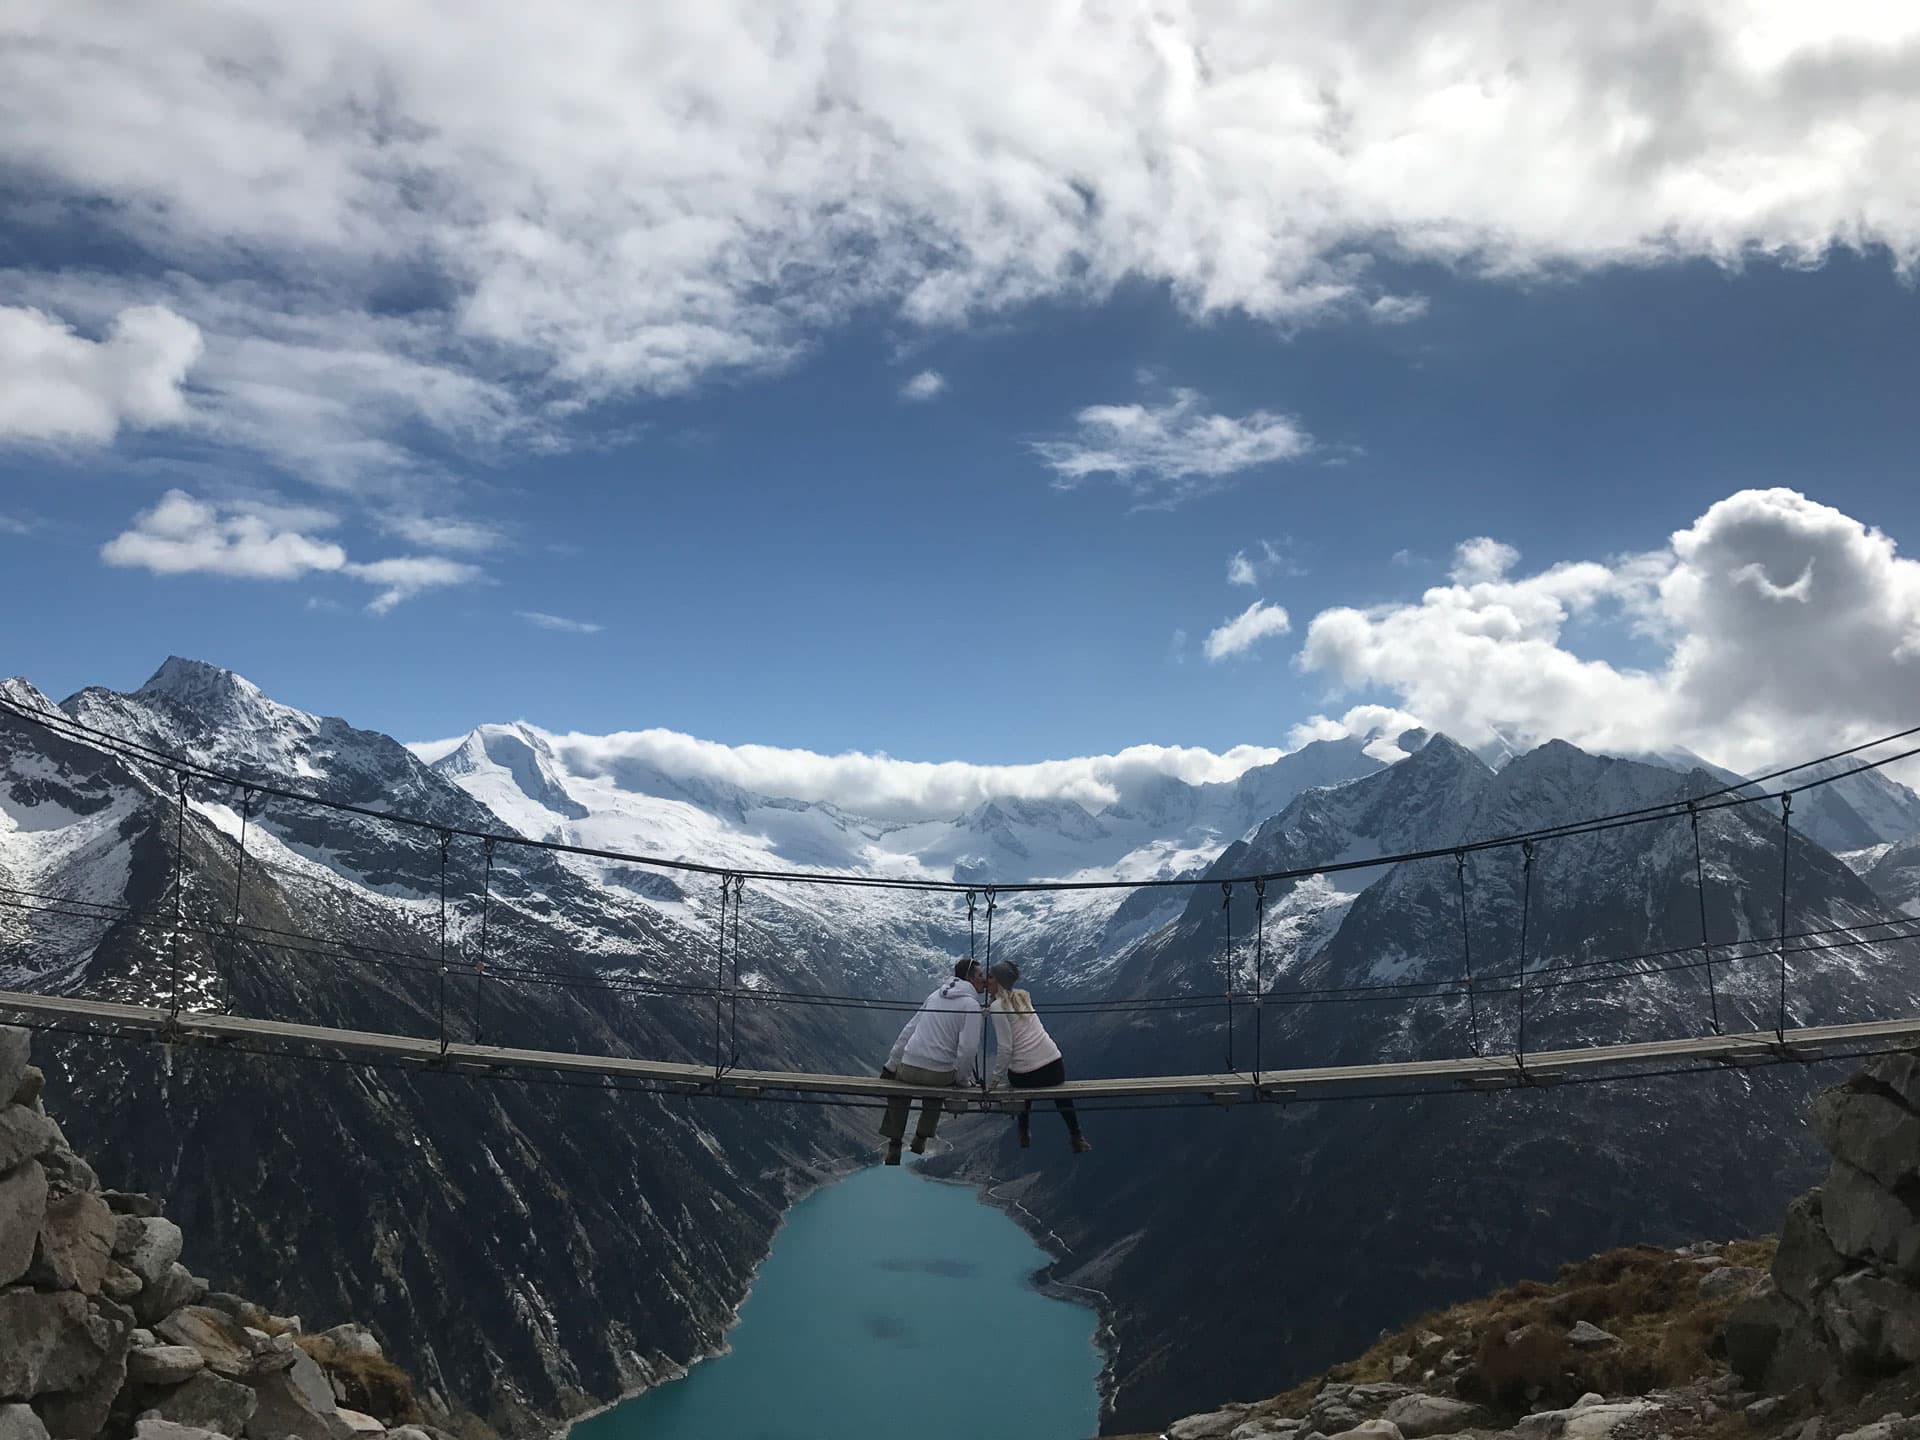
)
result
[(1689, 1344), (104, 1332), (1843, 1308)]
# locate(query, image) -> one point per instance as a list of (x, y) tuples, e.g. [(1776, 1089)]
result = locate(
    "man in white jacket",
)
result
[(937, 1047)]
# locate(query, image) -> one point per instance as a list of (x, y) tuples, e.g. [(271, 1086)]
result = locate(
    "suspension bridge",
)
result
[(184, 1024)]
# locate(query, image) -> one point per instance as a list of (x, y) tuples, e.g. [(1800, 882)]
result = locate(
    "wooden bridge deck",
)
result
[(1488, 1073)]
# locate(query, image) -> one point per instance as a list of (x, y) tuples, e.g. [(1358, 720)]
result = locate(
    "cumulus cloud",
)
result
[(258, 540), (890, 789), (924, 386), (1783, 628), (1169, 452), (57, 386), (1481, 559), (182, 535), (908, 161), (1247, 629), (559, 622)]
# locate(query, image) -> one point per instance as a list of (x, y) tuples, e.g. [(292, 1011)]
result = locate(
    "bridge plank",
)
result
[(1496, 1071)]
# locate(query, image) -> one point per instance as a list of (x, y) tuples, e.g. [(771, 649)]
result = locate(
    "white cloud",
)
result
[(889, 789), (610, 199), (1169, 452), (559, 622), (1481, 559), (1397, 309), (257, 540), (1240, 634), (1266, 558), (57, 386), (182, 535), (16, 525), (1783, 628), (924, 386), (404, 576), (442, 532)]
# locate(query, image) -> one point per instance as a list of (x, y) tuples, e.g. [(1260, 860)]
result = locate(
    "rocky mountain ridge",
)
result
[(105, 1332), (1816, 1335)]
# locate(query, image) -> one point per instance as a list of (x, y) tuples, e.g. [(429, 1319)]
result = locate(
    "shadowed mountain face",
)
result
[(1331, 1221), (524, 1247)]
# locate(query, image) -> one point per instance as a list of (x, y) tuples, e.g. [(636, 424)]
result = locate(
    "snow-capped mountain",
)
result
[(1363, 1213), (662, 1206)]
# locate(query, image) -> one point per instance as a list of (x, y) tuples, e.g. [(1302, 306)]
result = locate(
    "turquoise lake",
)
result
[(890, 1305)]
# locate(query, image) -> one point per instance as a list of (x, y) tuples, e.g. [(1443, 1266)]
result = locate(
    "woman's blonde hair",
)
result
[(1017, 1002)]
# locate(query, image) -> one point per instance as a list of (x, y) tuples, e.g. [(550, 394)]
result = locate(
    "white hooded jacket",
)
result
[(944, 1033)]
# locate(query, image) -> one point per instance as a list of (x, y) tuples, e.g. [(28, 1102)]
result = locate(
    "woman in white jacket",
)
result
[(1024, 1054)]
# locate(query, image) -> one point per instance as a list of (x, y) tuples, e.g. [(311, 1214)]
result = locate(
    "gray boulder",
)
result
[(1422, 1415), (18, 1422), (75, 1245), (23, 1201), (351, 1339), (67, 1171), (1868, 1222), (125, 1202), (79, 1413), (1901, 1074), (32, 1081), (1729, 1281), (1585, 1335), (121, 1284), (1891, 1428), (23, 1136), (1873, 1320), (178, 1287), (1869, 1132), (164, 1364), (297, 1402), (49, 1342), (153, 1427), (229, 1347), (156, 1247), (1371, 1430), (16, 1046), (1214, 1425), (209, 1402), (360, 1423), (1806, 1261)]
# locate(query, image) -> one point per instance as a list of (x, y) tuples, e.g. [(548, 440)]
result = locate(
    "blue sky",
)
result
[(391, 454)]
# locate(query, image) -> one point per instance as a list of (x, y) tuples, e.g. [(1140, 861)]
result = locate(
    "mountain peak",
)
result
[(197, 681)]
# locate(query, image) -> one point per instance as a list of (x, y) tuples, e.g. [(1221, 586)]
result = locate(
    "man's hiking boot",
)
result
[(1081, 1145), (919, 1144), (893, 1152)]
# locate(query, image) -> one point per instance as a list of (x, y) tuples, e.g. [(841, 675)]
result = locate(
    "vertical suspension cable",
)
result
[(1466, 951), (1786, 837), (720, 975), (733, 994), (446, 843), (179, 881), (1259, 973), (993, 903), (1526, 916), (1226, 930), (239, 880), (1700, 891), (480, 960)]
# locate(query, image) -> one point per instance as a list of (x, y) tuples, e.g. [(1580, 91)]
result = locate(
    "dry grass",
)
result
[(1647, 1297), (373, 1383)]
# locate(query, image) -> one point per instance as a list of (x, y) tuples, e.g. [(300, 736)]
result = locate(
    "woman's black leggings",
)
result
[(1054, 1072)]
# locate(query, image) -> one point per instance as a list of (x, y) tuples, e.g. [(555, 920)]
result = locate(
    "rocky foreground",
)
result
[(104, 1331), (1815, 1337)]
